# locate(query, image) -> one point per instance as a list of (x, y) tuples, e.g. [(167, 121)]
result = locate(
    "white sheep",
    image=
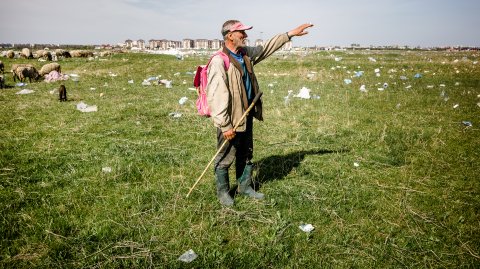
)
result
[(46, 69)]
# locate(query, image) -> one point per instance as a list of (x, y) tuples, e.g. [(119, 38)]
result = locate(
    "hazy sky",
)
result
[(341, 22)]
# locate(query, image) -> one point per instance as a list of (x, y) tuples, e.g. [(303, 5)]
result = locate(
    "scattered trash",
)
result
[(130, 81), (371, 59), (380, 89), (175, 115), (398, 105), (20, 84), (358, 74), (418, 75), (385, 85), (408, 87), (177, 74), (467, 123), (112, 74), (107, 169), (183, 100), (288, 98), (429, 86), (25, 91), (456, 106), (310, 75), (356, 164), (188, 256), (192, 89), (146, 83), (403, 77), (316, 97), (167, 83), (347, 81), (442, 85), (363, 88), (377, 70), (55, 76), (270, 85), (304, 93), (306, 227), (86, 108), (338, 59)]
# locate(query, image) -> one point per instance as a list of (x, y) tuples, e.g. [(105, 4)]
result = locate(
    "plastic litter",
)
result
[(20, 84), (385, 85), (456, 106), (55, 76), (306, 227), (146, 83), (188, 256), (363, 88), (371, 59), (130, 81), (356, 164), (418, 75), (167, 83), (106, 169), (358, 74), (183, 100), (175, 115), (86, 108), (467, 123), (377, 70), (403, 77), (347, 81), (338, 59), (25, 91), (288, 98), (408, 87), (304, 93)]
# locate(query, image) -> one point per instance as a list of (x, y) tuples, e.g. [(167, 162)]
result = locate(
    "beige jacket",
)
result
[(226, 94)]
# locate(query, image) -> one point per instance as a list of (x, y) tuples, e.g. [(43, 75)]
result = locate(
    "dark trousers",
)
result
[(240, 149)]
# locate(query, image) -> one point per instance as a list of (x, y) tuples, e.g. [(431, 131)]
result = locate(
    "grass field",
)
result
[(388, 178)]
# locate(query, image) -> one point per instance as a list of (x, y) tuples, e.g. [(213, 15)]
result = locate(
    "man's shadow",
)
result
[(277, 167)]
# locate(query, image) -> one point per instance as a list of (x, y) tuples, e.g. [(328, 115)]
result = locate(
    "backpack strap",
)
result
[(226, 60)]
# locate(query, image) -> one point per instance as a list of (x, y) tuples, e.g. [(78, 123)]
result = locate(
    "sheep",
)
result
[(14, 68), (2, 67), (63, 53), (62, 92), (10, 54), (26, 53), (46, 69), (23, 72), (81, 53)]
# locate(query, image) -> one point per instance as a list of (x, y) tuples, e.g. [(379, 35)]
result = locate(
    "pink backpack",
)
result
[(200, 82)]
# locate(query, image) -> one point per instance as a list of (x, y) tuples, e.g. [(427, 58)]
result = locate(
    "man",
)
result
[(229, 94)]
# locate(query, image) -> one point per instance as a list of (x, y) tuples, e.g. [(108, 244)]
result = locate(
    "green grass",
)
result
[(413, 201)]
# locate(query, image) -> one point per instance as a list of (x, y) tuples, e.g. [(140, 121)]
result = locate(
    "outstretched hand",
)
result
[(300, 30)]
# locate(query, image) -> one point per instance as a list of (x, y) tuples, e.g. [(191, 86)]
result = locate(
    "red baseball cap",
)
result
[(239, 27)]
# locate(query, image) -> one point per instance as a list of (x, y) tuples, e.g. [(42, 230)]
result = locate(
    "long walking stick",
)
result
[(259, 94)]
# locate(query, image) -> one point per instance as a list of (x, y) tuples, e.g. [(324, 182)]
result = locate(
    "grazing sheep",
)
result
[(46, 69), (2, 67), (10, 54), (23, 72), (2, 82), (14, 68), (26, 53), (62, 92), (81, 53)]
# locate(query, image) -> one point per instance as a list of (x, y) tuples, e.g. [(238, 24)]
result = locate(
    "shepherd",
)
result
[(229, 94)]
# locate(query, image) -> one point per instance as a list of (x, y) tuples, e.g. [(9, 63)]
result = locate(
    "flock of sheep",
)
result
[(24, 71)]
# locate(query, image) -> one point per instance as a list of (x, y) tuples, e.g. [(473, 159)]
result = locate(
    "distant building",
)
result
[(188, 44), (202, 44)]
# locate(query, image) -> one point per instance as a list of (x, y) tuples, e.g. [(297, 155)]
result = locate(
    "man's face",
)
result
[(238, 38)]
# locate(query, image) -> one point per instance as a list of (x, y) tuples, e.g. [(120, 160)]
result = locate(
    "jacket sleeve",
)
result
[(218, 95), (259, 53)]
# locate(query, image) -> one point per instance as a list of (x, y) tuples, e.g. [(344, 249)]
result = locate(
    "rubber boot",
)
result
[(244, 184), (223, 186)]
